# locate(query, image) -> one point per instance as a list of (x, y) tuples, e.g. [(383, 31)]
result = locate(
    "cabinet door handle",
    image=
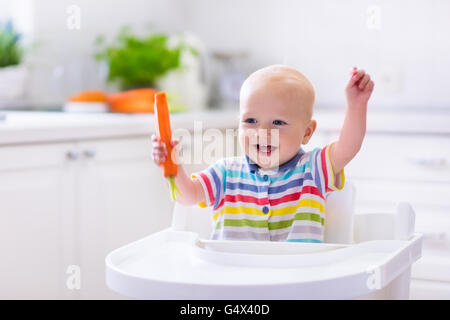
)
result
[(429, 162), (72, 155), (89, 153)]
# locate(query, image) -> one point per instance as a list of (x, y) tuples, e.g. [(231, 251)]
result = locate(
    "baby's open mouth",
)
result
[(265, 149)]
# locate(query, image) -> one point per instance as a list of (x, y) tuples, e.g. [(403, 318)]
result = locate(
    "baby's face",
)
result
[(274, 120)]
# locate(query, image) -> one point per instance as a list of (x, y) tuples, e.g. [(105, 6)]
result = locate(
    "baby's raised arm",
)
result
[(190, 189), (358, 92)]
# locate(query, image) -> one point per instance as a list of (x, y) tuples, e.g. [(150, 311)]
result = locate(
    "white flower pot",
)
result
[(12, 83)]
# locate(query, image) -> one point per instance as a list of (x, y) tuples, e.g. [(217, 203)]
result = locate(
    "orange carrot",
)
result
[(170, 168)]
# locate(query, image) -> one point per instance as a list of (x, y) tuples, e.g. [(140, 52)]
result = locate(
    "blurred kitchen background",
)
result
[(76, 175), (403, 46)]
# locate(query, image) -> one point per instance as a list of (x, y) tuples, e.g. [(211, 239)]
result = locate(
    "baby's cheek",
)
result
[(242, 141)]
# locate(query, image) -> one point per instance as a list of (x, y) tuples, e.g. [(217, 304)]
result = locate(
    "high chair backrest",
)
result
[(192, 218), (338, 217), (339, 213)]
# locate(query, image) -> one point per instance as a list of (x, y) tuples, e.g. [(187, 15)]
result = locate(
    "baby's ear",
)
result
[(313, 124), (306, 139), (309, 131)]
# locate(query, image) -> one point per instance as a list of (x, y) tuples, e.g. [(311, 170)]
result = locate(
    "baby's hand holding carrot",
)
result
[(159, 151), (164, 146)]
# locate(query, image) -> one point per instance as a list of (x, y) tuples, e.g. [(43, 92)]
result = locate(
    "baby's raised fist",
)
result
[(359, 88)]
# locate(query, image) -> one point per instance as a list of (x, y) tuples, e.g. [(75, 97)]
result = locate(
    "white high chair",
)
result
[(365, 256)]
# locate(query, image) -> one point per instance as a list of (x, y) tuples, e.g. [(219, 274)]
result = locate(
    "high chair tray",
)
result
[(179, 265)]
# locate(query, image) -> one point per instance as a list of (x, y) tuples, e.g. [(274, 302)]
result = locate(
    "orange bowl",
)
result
[(89, 96), (133, 101)]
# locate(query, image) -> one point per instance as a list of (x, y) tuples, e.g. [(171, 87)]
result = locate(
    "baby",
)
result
[(276, 191)]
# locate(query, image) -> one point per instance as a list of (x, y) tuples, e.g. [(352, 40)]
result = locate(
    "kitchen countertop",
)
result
[(17, 127)]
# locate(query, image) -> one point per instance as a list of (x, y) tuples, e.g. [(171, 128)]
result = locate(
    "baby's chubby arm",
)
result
[(358, 92), (191, 190)]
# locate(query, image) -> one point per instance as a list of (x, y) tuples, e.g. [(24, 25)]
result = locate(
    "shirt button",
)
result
[(265, 210), (265, 177)]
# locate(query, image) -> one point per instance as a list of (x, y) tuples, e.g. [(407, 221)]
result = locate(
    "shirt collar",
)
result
[(284, 167)]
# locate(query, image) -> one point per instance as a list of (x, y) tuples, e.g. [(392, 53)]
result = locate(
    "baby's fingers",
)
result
[(364, 81), (159, 151), (155, 139), (159, 157), (356, 76), (370, 86), (157, 143)]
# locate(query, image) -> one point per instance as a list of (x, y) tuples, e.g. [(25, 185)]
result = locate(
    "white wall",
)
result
[(408, 56)]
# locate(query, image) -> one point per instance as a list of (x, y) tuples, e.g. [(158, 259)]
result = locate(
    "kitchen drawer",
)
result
[(376, 192), (429, 290), (117, 149), (45, 155), (400, 157), (33, 156)]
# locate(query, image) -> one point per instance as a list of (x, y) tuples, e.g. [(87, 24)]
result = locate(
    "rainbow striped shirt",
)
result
[(285, 204)]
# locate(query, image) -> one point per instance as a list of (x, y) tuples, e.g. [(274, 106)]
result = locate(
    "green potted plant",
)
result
[(139, 62), (12, 71)]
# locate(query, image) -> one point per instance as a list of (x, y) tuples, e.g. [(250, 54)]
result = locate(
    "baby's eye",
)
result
[(250, 120), (278, 122)]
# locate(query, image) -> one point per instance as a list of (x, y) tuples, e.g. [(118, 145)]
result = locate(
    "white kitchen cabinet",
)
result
[(69, 204), (123, 197), (35, 221)]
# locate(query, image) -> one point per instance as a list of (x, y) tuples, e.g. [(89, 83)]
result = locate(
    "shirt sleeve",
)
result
[(326, 179), (212, 180)]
